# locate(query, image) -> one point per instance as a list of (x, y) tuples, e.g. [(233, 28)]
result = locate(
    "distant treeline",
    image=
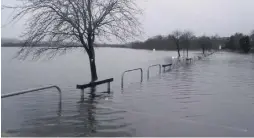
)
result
[(20, 44), (240, 42), (167, 43), (184, 40), (208, 42)]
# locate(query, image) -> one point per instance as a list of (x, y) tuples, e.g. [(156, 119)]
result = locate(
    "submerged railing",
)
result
[(175, 63), (159, 65), (141, 72), (59, 112), (33, 90)]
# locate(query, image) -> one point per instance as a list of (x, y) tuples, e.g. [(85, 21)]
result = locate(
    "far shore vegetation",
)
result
[(236, 42)]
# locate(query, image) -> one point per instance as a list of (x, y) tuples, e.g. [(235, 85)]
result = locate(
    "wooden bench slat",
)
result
[(92, 84)]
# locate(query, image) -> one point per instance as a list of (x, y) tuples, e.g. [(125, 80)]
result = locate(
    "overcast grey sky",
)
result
[(210, 17)]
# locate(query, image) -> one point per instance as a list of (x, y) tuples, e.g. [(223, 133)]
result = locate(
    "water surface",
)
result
[(211, 97)]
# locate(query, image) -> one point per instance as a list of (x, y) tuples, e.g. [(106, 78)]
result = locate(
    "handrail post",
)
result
[(60, 93), (148, 73), (108, 87), (141, 71), (122, 80)]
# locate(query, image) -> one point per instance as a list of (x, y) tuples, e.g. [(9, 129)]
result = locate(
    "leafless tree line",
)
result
[(183, 38)]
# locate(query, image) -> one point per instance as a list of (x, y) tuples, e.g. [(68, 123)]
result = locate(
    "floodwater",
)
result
[(210, 97)]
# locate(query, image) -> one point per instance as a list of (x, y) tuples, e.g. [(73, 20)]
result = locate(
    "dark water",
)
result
[(211, 97)]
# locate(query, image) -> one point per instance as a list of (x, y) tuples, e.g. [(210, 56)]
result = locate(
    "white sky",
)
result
[(210, 17)]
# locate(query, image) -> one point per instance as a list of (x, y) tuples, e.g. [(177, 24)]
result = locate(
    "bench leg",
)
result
[(108, 87), (82, 97)]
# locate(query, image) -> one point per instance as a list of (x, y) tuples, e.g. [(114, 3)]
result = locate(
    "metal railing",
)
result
[(33, 90), (141, 71), (153, 66), (177, 62)]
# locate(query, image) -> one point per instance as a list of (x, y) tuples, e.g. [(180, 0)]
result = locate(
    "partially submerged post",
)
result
[(189, 59)]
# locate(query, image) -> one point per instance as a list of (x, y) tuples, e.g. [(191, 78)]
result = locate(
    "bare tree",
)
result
[(66, 24), (204, 42), (185, 39), (175, 36)]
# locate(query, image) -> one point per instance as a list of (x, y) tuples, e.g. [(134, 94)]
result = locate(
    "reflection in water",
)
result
[(186, 89), (87, 106), (81, 122), (100, 121), (59, 111)]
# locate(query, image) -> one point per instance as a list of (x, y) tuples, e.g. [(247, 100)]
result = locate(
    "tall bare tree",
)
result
[(185, 39), (67, 24), (175, 36)]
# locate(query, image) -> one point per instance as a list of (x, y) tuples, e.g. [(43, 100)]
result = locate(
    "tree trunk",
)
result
[(187, 52), (94, 76), (91, 55), (178, 50)]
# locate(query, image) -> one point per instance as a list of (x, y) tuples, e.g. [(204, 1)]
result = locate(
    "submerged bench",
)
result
[(166, 65), (189, 59), (93, 84)]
